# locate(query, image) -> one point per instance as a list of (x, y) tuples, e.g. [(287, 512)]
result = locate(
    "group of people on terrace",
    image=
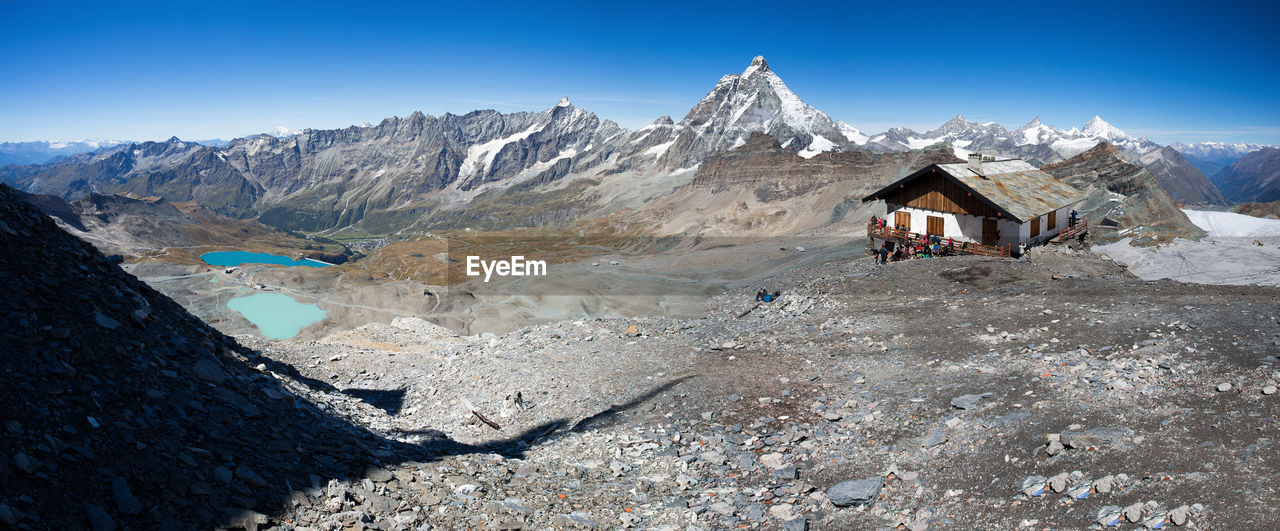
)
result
[(916, 246)]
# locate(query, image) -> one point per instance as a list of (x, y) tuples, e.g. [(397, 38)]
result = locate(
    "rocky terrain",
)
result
[(1053, 392), (1259, 210), (762, 189), (118, 224), (1124, 200), (123, 410), (1039, 379)]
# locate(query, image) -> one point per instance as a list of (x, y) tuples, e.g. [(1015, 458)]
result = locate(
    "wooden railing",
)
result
[(998, 251), (1081, 226), (903, 236)]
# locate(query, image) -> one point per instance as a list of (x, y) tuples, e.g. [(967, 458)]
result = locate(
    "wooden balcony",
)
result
[(911, 238), (1081, 227)]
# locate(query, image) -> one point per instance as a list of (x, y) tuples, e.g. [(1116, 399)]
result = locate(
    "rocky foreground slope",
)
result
[(953, 393), (123, 410), (968, 393)]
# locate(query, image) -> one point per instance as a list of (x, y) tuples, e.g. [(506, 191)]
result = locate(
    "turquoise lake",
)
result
[(235, 258), (277, 316)]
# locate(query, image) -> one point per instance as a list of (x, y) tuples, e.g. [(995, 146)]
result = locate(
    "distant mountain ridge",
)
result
[(42, 151), (491, 169), (1045, 144), (332, 179), (1218, 152), (1035, 140), (1211, 157), (1254, 178)]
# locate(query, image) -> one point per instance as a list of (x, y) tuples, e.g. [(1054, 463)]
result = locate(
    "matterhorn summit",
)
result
[(757, 100), (758, 64)]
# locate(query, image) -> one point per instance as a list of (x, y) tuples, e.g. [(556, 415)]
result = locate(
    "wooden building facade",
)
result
[(985, 201)]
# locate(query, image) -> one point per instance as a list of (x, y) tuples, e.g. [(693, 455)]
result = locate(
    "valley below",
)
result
[(674, 282)]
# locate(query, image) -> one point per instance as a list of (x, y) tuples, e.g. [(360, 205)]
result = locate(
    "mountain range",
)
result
[(489, 169), (40, 152), (1043, 143), (1252, 178), (1212, 157)]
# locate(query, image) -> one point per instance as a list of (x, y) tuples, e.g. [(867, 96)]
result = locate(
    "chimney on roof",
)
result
[(975, 163)]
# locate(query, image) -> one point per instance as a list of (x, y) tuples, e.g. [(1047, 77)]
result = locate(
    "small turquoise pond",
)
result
[(235, 258), (277, 316)]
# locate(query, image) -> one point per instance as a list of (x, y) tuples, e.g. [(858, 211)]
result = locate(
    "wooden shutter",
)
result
[(1035, 227), (936, 224), (902, 219), (1053, 221)]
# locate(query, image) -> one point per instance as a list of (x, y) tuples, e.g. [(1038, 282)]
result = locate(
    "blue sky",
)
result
[(198, 70)]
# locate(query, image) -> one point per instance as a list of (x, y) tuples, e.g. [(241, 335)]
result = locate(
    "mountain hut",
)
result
[(995, 204)]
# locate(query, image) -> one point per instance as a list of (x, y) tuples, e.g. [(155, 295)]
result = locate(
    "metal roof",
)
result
[(1013, 187)]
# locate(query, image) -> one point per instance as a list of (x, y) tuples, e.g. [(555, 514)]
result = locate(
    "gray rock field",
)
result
[(956, 393)]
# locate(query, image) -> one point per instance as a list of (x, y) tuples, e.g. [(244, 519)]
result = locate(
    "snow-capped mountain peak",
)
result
[(283, 132), (758, 64), (851, 134), (1035, 132), (956, 126), (1035, 140), (755, 101), (1100, 129), (564, 102)]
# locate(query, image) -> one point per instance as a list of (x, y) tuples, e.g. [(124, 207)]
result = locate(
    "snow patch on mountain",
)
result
[(1070, 147), (851, 134), (818, 145), (481, 155), (916, 142), (659, 149)]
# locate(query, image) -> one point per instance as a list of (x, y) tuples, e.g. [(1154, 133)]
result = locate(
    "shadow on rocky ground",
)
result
[(123, 410)]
